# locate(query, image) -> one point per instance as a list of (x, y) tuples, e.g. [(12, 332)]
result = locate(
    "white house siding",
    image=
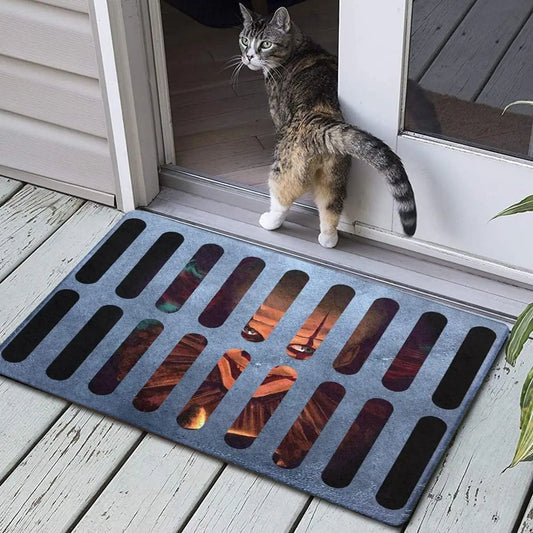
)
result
[(52, 120)]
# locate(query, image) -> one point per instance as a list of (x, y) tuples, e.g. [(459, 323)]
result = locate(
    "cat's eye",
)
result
[(265, 45), (244, 41)]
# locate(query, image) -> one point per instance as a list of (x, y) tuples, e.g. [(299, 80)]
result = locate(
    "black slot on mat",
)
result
[(110, 251), (149, 265), (411, 463), (80, 347), (464, 367), (40, 325)]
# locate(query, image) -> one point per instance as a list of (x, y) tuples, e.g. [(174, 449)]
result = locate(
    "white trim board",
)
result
[(414, 272), (59, 186), (124, 61)]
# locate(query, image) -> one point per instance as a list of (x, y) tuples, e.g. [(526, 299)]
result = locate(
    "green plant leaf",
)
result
[(524, 448), (519, 334), (521, 207), (526, 102)]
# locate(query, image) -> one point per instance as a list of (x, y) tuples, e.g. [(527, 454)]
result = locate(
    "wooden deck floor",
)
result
[(473, 52), (66, 468)]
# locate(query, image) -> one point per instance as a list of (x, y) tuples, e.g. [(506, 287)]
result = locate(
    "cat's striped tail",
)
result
[(341, 138)]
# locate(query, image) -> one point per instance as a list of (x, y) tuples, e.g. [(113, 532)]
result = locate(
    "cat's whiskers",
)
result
[(235, 75), (232, 62)]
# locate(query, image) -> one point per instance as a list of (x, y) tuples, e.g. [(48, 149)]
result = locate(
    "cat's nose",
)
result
[(249, 56)]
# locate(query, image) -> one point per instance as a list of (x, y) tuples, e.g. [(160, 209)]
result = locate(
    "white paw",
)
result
[(328, 240), (271, 220)]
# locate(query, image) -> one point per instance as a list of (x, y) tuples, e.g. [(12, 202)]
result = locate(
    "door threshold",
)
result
[(233, 211)]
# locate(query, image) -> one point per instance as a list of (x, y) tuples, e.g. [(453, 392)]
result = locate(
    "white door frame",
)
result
[(126, 57)]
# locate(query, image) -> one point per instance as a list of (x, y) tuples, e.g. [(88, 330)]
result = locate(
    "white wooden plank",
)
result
[(526, 525), (255, 176), (155, 490), (52, 151), (26, 413), (240, 501), (27, 220), (60, 186), (474, 49), (222, 104), (470, 490), (225, 157), (52, 95), (8, 188), (513, 78), (58, 478), (75, 5), (222, 134), (47, 35), (324, 517), (432, 23)]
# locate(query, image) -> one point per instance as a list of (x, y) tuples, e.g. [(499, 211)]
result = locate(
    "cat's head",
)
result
[(266, 42)]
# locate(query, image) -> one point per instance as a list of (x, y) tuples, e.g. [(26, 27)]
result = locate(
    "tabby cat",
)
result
[(315, 145)]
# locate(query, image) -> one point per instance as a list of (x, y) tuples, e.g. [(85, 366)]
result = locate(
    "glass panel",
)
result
[(468, 59)]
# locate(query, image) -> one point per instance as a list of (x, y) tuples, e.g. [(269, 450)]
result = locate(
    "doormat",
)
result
[(339, 386)]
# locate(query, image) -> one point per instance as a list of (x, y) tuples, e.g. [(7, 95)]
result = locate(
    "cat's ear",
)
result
[(281, 19), (248, 16)]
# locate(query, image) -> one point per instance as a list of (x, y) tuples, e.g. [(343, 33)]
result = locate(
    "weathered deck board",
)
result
[(58, 478), (155, 490), (526, 526), (324, 517), (18, 431), (8, 188), (465, 63), (240, 501), (27, 219)]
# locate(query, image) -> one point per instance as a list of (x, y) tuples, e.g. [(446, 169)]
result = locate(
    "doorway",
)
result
[(222, 127)]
